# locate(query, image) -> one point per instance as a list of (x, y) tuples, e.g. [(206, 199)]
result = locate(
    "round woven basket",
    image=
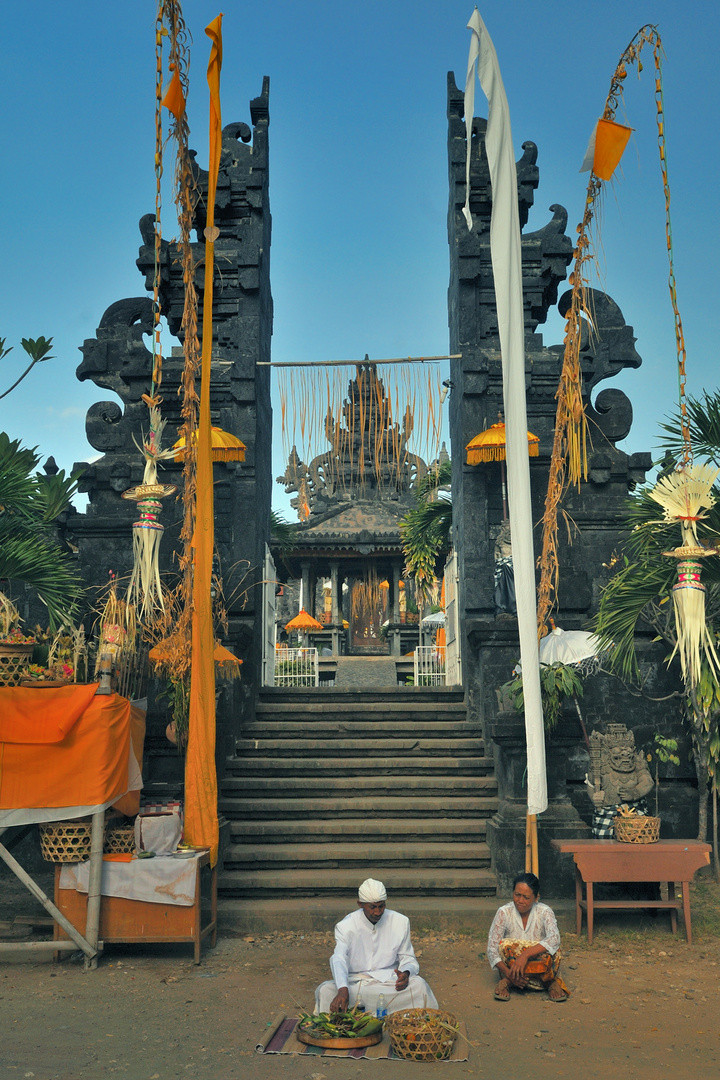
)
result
[(422, 1034), (120, 840), (65, 841), (637, 829), (14, 659)]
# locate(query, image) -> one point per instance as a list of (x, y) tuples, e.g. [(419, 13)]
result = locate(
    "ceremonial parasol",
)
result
[(490, 445), (225, 447)]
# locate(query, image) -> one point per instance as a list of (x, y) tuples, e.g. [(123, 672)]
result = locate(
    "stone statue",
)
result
[(619, 777)]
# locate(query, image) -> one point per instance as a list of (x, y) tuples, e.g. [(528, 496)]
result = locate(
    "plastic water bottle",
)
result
[(381, 1009)]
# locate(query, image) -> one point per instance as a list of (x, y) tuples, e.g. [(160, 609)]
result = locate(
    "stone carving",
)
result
[(619, 772)]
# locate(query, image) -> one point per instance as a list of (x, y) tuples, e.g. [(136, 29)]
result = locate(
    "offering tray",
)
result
[(339, 1043)]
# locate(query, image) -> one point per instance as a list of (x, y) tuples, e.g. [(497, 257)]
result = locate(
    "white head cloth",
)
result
[(371, 892)]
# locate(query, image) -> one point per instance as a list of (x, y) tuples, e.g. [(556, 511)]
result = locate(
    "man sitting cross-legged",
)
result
[(373, 956)]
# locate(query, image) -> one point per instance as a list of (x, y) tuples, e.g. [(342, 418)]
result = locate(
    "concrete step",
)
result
[(362, 710), (359, 766), (446, 787), (347, 855), (300, 737), (378, 806), (444, 914), (338, 740), (344, 882), (422, 696), (366, 829)]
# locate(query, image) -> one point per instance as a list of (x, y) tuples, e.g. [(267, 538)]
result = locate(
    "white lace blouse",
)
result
[(541, 927)]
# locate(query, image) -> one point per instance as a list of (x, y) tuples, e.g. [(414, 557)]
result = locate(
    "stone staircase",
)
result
[(329, 786)]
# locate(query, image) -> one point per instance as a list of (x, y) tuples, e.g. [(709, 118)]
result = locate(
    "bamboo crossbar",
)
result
[(356, 363)]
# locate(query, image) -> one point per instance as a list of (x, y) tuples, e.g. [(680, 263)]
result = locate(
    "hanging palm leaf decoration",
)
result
[(684, 495)]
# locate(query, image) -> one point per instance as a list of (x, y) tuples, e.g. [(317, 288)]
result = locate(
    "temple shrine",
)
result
[(351, 500)]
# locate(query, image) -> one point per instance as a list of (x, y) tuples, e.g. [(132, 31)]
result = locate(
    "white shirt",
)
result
[(374, 950), (541, 927)]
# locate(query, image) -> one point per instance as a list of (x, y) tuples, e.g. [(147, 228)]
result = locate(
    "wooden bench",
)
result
[(667, 861)]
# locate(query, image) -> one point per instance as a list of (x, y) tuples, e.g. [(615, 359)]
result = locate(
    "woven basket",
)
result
[(637, 829), (14, 659), (65, 841), (422, 1034), (120, 840)]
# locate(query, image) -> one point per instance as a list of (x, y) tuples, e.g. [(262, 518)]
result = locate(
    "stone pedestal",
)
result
[(506, 830)]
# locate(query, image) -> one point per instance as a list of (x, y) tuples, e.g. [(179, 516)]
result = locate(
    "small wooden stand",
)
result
[(125, 921), (609, 860)]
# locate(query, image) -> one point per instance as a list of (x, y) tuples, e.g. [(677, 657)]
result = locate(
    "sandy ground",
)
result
[(643, 1004)]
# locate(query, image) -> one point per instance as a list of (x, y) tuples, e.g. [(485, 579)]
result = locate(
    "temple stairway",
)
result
[(330, 786)]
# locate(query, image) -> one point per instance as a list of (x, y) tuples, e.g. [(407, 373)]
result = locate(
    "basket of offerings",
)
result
[(422, 1034), (634, 828), (340, 1030)]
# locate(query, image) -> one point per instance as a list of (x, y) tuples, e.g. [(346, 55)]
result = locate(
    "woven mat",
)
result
[(280, 1038)]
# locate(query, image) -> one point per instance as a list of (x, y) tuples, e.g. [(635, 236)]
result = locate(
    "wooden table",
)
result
[(125, 921), (609, 860)]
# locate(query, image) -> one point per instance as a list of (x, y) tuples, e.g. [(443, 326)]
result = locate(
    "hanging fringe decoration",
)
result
[(568, 463), (374, 425), (683, 496)]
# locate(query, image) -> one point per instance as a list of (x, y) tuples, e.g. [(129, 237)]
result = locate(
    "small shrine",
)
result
[(350, 500)]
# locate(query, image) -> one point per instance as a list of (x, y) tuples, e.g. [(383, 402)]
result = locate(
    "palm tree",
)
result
[(30, 503), (425, 531)]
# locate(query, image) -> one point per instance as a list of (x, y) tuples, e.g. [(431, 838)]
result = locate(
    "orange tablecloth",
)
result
[(65, 747)]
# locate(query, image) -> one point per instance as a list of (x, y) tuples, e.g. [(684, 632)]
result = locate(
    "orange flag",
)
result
[(174, 99), (606, 147), (201, 821)]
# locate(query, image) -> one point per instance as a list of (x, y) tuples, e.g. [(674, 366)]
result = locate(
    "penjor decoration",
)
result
[(684, 495)]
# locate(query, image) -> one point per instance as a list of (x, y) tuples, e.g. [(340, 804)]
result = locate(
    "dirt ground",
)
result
[(643, 1004)]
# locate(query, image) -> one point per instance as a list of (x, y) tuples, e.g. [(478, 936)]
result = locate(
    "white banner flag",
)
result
[(506, 256)]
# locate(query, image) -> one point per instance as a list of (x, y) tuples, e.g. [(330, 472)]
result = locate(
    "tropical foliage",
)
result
[(639, 595), (37, 350), (425, 531), (30, 503), (557, 682)]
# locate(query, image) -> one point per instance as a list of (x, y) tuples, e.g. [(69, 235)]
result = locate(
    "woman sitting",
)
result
[(524, 944)]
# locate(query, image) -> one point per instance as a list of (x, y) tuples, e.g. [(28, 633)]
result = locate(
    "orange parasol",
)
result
[(225, 447), (303, 621)]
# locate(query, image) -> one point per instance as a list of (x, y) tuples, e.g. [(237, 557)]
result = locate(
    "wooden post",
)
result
[(531, 845), (92, 926)]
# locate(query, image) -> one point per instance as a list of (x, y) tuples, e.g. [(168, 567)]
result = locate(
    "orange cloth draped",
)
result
[(201, 821), (129, 804), (87, 768), (46, 715)]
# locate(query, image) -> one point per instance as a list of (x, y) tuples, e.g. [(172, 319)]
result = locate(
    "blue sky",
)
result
[(358, 174)]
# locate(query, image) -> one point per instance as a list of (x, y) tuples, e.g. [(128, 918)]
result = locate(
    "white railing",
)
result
[(429, 665), (296, 667)]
